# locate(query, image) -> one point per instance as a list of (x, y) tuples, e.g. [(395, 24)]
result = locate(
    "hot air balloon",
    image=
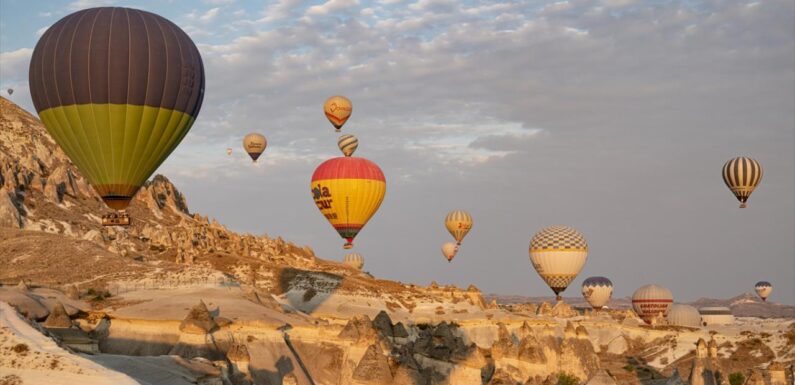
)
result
[(763, 289), (597, 291), (354, 260), (348, 144), (449, 250), (650, 301), (118, 89), (558, 253), (10, 91), (348, 191), (742, 175), (683, 315), (229, 151), (458, 223), (337, 109), (254, 144)]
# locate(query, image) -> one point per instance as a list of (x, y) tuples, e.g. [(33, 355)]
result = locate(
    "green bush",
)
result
[(736, 378), (567, 379), (98, 294), (629, 368)]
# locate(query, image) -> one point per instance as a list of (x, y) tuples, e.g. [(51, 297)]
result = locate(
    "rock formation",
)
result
[(675, 379), (23, 287), (373, 368), (777, 374), (198, 321), (703, 372), (58, 318), (601, 378), (359, 329), (240, 359)]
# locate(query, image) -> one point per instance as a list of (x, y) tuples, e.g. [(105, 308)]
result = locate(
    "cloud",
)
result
[(83, 4), (14, 64), (210, 15), (280, 10), (331, 6)]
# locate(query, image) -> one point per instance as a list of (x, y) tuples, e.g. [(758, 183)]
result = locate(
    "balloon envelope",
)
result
[(337, 109), (763, 289), (683, 315), (597, 291), (742, 175), (254, 144), (10, 91), (458, 223), (650, 301), (118, 89), (354, 260), (229, 151), (348, 144), (348, 191), (558, 253), (449, 250)]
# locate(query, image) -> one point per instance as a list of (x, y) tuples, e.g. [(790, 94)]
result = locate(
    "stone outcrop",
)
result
[(22, 287), (58, 318), (618, 345), (756, 378), (675, 379), (563, 310), (601, 378), (373, 368), (544, 309), (383, 324), (198, 321), (72, 292), (441, 342), (400, 331), (359, 329), (240, 359), (703, 371), (9, 214), (777, 373)]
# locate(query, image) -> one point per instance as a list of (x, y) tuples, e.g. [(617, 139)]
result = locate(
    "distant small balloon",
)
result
[(10, 91), (763, 289), (338, 109), (255, 145), (449, 250), (650, 301), (458, 223), (742, 175), (354, 260), (348, 144), (229, 151), (597, 291)]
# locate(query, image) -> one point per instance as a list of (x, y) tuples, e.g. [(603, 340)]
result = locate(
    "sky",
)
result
[(614, 117)]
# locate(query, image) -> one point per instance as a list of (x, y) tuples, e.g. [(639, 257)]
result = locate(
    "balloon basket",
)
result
[(743, 205), (347, 246), (116, 219)]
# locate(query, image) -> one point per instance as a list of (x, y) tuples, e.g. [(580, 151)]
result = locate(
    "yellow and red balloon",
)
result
[(348, 191)]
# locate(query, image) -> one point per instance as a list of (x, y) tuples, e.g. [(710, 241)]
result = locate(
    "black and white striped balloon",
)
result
[(742, 175), (348, 144)]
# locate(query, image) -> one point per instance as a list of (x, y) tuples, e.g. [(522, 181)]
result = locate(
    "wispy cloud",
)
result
[(83, 4)]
